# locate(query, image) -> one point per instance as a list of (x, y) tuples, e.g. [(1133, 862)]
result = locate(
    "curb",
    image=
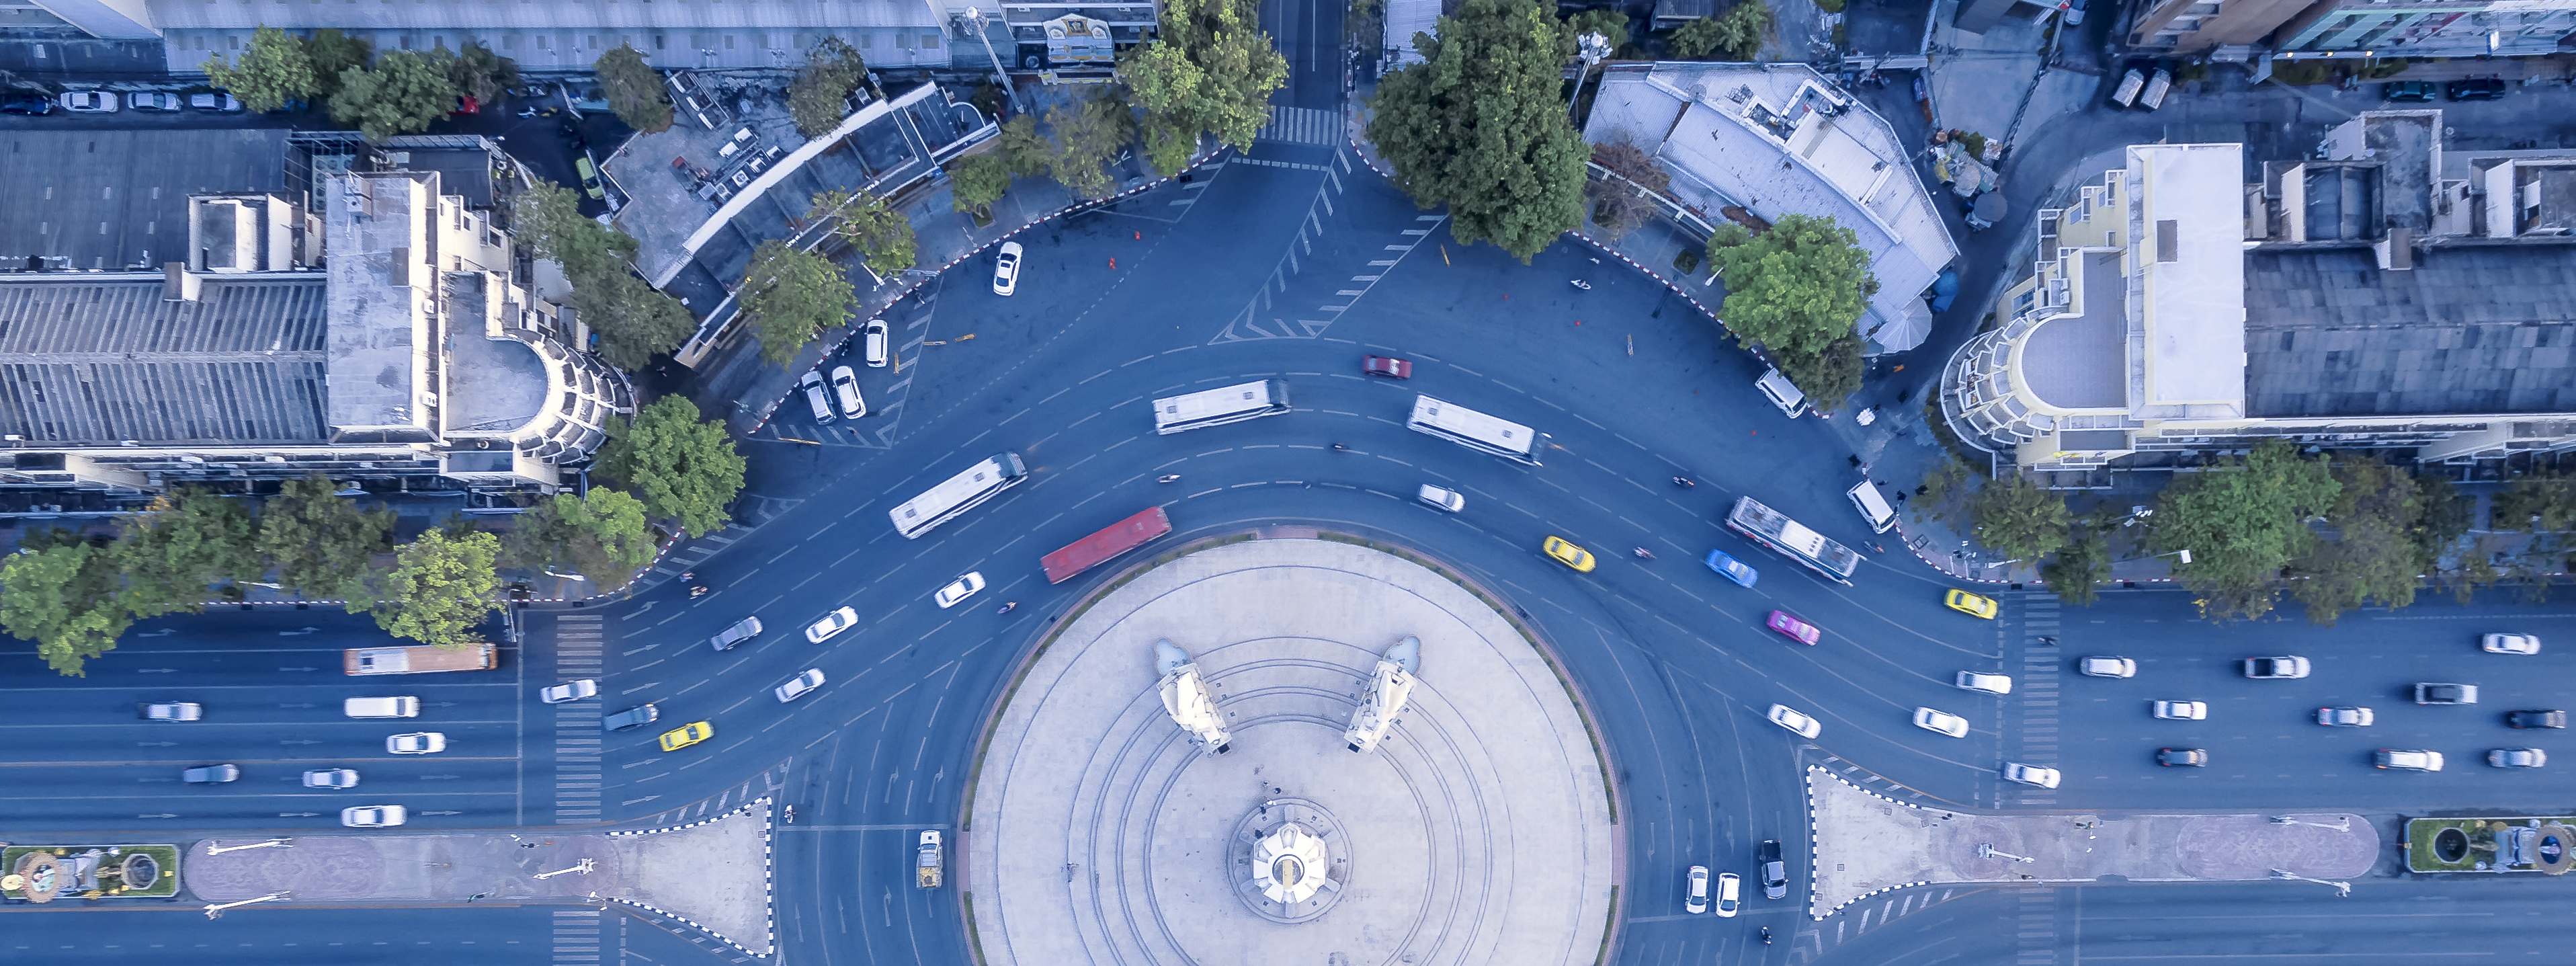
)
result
[(768, 877)]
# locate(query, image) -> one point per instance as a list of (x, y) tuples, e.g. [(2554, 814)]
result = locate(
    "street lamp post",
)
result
[(1593, 48), (975, 17), (217, 911), (1985, 851), (270, 844), (584, 868), (2342, 825), (2343, 890)]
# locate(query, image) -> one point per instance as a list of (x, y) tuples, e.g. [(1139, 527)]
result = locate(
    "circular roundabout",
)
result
[(1296, 750)]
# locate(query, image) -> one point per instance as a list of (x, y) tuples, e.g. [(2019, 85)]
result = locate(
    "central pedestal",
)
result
[(1290, 860)]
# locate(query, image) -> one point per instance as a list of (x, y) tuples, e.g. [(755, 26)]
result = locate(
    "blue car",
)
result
[(1734, 569)]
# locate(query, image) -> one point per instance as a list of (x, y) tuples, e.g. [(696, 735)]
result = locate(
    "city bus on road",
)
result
[(1474, 430), (1115, 539), (1786, 537), (1217, 407), (958, 494)]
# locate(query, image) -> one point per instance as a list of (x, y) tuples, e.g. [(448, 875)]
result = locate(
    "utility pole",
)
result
[(270, 844), (975, 18), (1593, 48), (217, 911)]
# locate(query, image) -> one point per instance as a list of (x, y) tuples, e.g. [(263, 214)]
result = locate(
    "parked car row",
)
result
[(1725, 891), (107, 102)]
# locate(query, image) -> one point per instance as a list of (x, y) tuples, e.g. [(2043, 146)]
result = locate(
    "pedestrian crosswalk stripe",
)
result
[(1303, 125)]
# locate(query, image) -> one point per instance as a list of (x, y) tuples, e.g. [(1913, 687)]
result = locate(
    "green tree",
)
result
[(790, 294), (274, 69), (481, 74), (2018, 517), (2542, 500), (177, 548), (440, 589), (2378, 552), (322, 545), (681, 468), (882, 235), (1944, 491), (1210, 70), (634, 89), (332, 53), (1735, 35), (1022, 147), (2080, 568), (819, 97), (2242, 520), (1088, 133), (978, 180), (404, 94), (1477, 126), (1796, 290), (1610, 24), (62, 594), (546, 218), (2448, 514), (635, 322), (612, 540)]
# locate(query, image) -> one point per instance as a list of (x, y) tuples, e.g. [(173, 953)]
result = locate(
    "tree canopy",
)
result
[(2020, 519), (177, 548), (332, 54), (1088, 133), (882, 235), (322, 545), (819, 97), (1796, 290), (1478, 126), (634, 89), (274, 70), (790, 294), (481, 74), (634, 321), (405, 93), (2080, 568), (2242, 520), (441, 588), (1210, 70), (681, 468), (1734, 35), (2376, 552), (63, 595), (977, 180)]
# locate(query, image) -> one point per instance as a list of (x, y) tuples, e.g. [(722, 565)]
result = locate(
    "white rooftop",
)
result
[(1778, 139), (2194, 294)]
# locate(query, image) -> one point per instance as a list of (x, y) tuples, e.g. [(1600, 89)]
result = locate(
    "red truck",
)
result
[(1120, 537)]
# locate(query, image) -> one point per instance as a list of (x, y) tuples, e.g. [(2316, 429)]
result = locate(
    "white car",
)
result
[(417, 743), (1006, 269), (331, 778), (373, 816), (89, 102), (1695, 890), (1941, 721), (170, 711), (2510, 644), (1730, 894), (845, 390), (569, 691), (816, 396), (2403, 760), (218, 102), (959, 589), (1444, 498), (874, 344), (2517, 757), (2276, 668), (2345, 717), (1984, 683), (2182, 710), (154, 101), (1804, 726), (2030, 775), (2101, 666), (797, 686), (832, 623)]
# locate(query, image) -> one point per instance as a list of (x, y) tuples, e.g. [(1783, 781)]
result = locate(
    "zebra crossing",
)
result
[(577, 936), (2035, 928), (2041, 669), (578, 643), (763, 785), (1302, 125)]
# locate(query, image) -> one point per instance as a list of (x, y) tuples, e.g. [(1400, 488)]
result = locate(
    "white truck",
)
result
[(926, 867)]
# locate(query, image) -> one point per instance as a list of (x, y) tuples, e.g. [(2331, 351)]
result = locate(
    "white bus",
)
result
[(1474, 430), (958, 494), (1788, 538), (1217, 407)]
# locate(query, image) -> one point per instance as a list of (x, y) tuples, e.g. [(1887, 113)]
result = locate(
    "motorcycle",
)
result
[(1337, 447), (1766, 935), (1168, 478), (1643, 553), (1684, 482), (1008, 606), (699, 591), (791, 815), (1581, 284)]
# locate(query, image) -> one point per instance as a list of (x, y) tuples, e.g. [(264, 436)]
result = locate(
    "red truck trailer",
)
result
[(1120, 537)]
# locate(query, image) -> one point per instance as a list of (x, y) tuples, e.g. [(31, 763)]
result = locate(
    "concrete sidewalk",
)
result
[(1478, 833), (1874, 844)]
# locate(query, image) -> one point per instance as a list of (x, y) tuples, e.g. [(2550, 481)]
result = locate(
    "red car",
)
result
[(1388, 366), (1797, 630)]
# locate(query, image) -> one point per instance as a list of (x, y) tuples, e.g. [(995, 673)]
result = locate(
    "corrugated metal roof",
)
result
[(99, 361), (2470, 330)]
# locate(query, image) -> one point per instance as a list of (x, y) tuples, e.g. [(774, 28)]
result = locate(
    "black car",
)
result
[(2191, 757), (2409, 91), (635, 717), (25, 102), (2476, 89), (2536, 719), (1775, 873)]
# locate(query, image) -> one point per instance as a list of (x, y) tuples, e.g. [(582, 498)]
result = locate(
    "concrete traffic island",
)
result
[(712, 874), (1867, 844), (1112, 821)]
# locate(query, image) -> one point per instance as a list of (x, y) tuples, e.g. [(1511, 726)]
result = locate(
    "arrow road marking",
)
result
[(158, 670), (298, 633), (432, 778), (158, 744), (297, 814), (157, 816), (299, 741), (632, 801), (164, 632), (299, 669), (442, 813), (299, 705)]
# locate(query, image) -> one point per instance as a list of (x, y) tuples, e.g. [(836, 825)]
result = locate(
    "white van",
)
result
[(381, 707), (1776, 387), (1872, 506)]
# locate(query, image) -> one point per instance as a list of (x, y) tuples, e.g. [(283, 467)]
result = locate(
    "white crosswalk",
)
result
[(577, 735), (2041, 668), (577, 936), (1302, 125)]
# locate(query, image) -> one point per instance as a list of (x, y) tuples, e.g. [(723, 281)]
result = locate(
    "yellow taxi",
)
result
[(1971, 604), (688, 734), (1569, 554)]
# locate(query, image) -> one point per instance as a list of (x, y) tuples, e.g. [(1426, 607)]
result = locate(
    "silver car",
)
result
[(210, 774), (2102, 666), (816, 396), (2030, 775), (331, 778), (2182, 710), (1984, 683), (569, 691), (2517, 758), (417, 743), (845, 390), (798, 686), (373, 816), (1943, 722)]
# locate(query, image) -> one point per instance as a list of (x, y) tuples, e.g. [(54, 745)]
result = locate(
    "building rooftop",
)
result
[(494, 384), (106, 200), (2469, 330), (2190, 240), (2075, 361), (99, 360), (380, 277), (1778, 139)]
